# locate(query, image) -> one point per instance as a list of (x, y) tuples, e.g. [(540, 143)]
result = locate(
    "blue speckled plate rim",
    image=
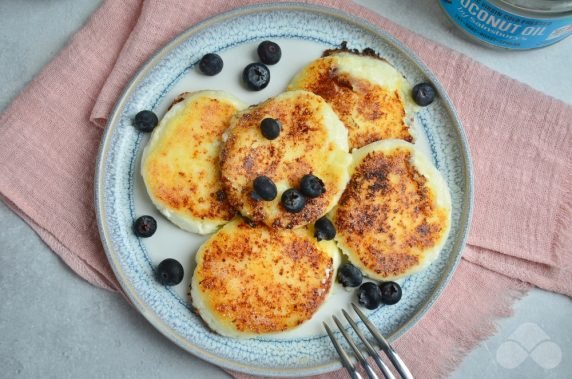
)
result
[(130, 291)]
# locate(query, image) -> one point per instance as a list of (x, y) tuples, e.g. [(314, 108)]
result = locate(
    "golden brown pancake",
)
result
[(312, 141), (370, 96), (180, 164), (257, 280), (395, 213)]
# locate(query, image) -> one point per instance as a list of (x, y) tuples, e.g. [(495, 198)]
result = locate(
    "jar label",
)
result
[(498, 27)]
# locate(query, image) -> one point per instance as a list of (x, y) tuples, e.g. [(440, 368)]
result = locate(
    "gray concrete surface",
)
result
[(55, 325)]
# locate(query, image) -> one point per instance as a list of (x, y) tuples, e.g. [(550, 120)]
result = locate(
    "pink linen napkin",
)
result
[(521, 143)]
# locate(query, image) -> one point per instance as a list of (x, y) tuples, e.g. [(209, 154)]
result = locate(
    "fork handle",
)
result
[(353, 374), (382, 366), (398, 363)]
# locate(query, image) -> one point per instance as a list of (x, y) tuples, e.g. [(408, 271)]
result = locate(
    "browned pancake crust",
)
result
[(386, 215), (367, 52), (381, 111), (178, 190), (255, 287)]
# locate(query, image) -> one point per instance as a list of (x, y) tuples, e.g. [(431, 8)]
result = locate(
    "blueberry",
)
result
[(264, 189), (390, 292), (256, 76), (270, 128), (269, 52), (369, 295), (312, 186), (324, 229), (145, 121), (211, 64), (423, 94), (349, 275), (170, 272), (144, 226), (293, 201)]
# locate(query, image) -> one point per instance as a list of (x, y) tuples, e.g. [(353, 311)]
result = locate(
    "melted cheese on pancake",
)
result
[(257, 280), (370, 96), (394, 216), (312, 140), (180, 164)]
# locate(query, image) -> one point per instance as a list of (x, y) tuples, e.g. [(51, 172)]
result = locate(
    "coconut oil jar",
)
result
[(512, 24)]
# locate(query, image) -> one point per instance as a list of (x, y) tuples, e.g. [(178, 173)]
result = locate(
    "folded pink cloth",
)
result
[(521, 143)]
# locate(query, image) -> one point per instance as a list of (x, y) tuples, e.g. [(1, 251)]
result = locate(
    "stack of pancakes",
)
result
[(265, 272)]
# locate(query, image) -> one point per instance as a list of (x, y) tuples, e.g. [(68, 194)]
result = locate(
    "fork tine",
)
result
[(357, 353), (391, 354), (382, 366), (343, 355)]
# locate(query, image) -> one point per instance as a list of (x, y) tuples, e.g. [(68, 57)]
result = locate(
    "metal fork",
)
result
[(383, 344)]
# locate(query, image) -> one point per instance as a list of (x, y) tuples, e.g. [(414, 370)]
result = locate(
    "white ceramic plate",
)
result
[(303, 32)]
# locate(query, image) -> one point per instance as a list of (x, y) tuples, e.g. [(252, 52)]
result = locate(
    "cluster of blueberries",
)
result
[(256, 76), (370, 295), (294, 200)]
